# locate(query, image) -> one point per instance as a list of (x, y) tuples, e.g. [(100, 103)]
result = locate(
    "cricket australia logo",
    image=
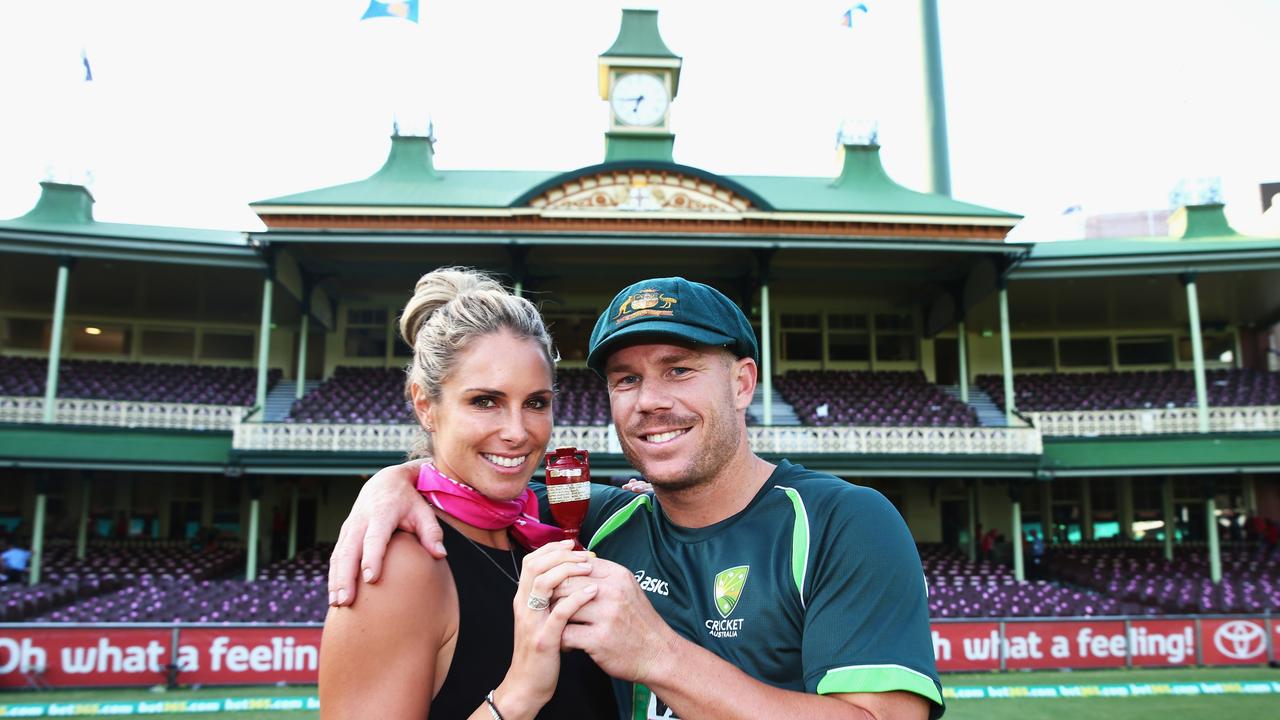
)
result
[(649, 302), (726, 592)]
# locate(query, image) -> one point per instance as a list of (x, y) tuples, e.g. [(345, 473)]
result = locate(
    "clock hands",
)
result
[(637, 100)]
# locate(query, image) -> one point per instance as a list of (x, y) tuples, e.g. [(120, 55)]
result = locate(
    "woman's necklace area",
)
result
[(513, 578)]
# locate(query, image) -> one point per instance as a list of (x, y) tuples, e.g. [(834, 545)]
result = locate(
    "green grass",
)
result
[(1200, 707)]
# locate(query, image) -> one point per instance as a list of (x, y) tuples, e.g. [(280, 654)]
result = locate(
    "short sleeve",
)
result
[(866, 616)]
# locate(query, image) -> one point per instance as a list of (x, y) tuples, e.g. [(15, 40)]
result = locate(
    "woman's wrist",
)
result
[(516, 702)]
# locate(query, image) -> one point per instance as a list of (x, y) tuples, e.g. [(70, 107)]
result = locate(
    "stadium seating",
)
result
[(1134, 390), (894, 398), (134, 382), (1250, 579)]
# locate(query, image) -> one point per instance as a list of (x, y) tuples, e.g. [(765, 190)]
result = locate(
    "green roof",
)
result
[(68, 210), (409, 179), (639, 37)]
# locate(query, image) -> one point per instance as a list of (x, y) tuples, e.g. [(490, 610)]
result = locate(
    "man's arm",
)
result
[(629, 640), (388, 501)]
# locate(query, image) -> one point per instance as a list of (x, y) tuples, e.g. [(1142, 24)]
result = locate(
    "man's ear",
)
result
[(744, 375), (423, 408)]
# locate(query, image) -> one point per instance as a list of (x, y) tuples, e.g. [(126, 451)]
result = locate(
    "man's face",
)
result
[(678, 409)]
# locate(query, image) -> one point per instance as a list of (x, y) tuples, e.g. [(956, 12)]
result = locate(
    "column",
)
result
[(251, 544), (766, 354), (55, 339), (1086, 509), (37, 539), (82, 531), (293, 519), (264, 347), (301, 389), (206, 503), (1170, 522), (1126, 508), (1006, 353), (1015, 536), (935, 100), (962, 349), (1046, 512), (1197, 352), (1215, 551), (972, 549)]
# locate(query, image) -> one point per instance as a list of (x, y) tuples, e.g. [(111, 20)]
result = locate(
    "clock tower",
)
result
[(639, 76)]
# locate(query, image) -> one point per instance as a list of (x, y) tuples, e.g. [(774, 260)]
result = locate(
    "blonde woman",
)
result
[(472, 635)]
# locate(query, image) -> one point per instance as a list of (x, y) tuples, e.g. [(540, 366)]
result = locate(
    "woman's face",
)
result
[(492, 422)]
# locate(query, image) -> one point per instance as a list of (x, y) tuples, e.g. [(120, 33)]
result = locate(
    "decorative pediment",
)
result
[(641, 190)]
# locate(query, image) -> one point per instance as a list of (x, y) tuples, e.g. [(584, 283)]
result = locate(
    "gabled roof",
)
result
[(62, 223), (409, 179)]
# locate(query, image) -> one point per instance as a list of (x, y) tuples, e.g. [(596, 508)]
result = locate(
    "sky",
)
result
[(196, 110)]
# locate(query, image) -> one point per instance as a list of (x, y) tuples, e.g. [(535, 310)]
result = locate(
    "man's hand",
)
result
[(387, 502), (621, 631)]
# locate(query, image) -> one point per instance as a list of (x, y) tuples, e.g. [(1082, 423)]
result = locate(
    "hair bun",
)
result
[(437, 289)]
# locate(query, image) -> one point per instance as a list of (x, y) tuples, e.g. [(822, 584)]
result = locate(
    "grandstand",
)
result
[(186, 415)]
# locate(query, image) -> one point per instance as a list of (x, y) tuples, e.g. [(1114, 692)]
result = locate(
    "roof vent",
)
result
[(862, 170), (62, 203), (1191, 222), (410, 160)]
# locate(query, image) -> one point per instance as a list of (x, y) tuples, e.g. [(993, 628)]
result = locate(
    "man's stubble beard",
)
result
[(720, 441)]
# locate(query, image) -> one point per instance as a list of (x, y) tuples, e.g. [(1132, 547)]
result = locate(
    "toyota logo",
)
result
[(1240, 640)]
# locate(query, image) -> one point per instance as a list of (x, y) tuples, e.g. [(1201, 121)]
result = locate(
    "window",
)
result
[(1033, 353), (226, 346), (169, 343), (1218, 347), (366, 333), (848, 337), (101, 339), (801, 336), (1084, 352), (1156, 350), (895, 338), (27, 334)]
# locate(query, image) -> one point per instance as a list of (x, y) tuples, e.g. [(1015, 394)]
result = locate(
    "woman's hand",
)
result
[(535, 661), (388, 501), (639, 486)]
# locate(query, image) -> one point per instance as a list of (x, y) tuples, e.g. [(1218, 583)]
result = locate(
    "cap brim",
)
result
[(657, 329)]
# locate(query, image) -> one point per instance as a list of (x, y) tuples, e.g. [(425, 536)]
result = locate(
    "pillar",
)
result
[(1015, 536), (301, 388), (766, 354), (972, 549), (1170, 522), (293, 519), (1126, 508), (1197, 352), (935, 100), (1215, 550), (1086, 509), (1006, 353), (37, 539), (1046, 512), (82, 529), (55, 339), (251, 544), (264, 347), (962, 350)]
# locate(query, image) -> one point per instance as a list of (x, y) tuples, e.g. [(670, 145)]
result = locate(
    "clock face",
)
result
[(639, 99)]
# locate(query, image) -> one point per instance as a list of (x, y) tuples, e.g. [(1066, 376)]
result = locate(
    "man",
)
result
[(13, 562), (739, 588)]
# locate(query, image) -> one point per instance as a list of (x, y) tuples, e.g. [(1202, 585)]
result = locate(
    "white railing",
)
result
[(343, 437), (896, 440), (1155, 421), (122, 413)]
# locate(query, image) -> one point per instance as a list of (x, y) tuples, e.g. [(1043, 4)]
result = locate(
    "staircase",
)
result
[(988, 414), (280, 398), (783, 414)]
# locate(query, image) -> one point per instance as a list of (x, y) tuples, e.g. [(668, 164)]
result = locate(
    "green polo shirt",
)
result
[(815, 586)]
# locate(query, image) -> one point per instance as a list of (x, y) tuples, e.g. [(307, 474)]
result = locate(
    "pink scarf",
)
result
[(468, 505)]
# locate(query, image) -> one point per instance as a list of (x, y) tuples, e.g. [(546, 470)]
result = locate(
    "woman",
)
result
[(470, 636)]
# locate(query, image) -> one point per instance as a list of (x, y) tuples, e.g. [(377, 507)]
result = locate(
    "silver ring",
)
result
[(538, 603)]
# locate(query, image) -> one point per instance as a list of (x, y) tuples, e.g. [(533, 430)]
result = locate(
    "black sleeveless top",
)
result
[(482, 653)]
